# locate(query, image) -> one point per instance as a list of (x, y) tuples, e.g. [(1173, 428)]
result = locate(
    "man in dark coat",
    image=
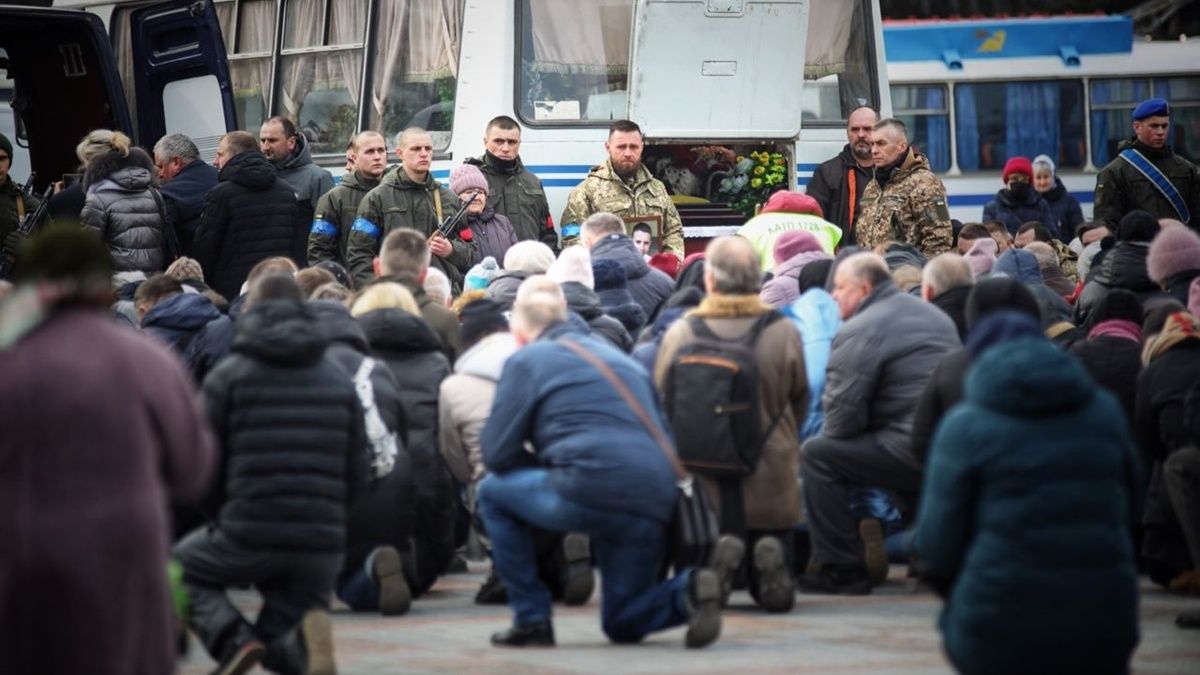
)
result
[(1123, 264), (250, 216), (604, 235), (404, 258), (294, 459), (1122, 186), (513, 191), (103, 426), (567, 453), (187, 322), (838, 183), (337, 208), (946, 281), (185, 182)]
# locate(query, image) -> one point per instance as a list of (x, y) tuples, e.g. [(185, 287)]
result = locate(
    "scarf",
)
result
[(1118, 328), (1178, 327)]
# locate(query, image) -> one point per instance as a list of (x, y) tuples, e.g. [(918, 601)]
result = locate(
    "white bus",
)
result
[(778, 75), (1060, 87)]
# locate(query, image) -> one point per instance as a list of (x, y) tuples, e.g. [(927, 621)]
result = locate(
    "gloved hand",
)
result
[(13, 241)]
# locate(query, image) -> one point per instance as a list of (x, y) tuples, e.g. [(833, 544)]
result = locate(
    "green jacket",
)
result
[(519, 196), (10, 195), (334, 217), (645, 195), (399, 202), (1120, 188)]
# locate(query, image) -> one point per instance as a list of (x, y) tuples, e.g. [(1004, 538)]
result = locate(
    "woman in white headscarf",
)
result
[(1064, 206)]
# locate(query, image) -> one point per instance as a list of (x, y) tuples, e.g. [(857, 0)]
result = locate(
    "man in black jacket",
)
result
[(838, 183), (294, 458), (513, 191), (185, 181), (251, 215)]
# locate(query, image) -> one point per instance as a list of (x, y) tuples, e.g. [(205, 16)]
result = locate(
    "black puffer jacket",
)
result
[(584, 302), (249, 216), (122, 209), (386, 512), (1114, 363), (1123, 266), (291, 433), (413, 352)]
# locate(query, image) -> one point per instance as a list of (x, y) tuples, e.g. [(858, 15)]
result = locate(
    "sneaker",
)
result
[(492, 592), (776, 590), (836, 580), (244, 659), (874, 550), (578, 580), (535, 635), (704, 602), (727, 558), (316, 634), (395, 597)]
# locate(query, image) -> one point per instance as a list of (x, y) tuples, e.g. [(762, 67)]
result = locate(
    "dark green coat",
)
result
[(519, 196), (1120, 188), (399, 202), (1026, 516), (9, 192), (334, 216)]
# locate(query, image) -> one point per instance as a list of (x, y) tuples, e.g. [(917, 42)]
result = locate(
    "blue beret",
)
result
[(1154, 107)]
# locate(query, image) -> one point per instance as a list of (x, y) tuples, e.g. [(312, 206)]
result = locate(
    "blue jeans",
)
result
[(628, 549)]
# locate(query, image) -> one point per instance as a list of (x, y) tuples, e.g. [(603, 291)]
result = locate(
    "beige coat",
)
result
[(465, 401), (771, 495)]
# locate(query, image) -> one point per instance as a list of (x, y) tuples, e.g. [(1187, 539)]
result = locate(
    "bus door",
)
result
[(180, 74), (718, 69)]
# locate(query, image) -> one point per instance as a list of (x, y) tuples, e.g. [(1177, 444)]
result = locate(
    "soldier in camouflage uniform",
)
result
[(514, 192), (905, 202), (409, 197), (337, 208), (14, 203), (623, 186)]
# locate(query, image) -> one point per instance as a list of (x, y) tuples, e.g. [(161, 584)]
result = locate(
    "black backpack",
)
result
[(711, 393)]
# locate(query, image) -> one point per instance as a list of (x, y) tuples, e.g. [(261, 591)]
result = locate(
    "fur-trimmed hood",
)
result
[(130, 166)]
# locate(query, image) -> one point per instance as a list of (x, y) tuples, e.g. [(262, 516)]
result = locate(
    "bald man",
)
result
[(838, 183), (337, 208)]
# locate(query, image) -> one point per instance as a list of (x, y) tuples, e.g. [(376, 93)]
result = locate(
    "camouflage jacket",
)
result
[(399, 202), (518, 195), (1067, 260), (644, 195), (1121, 188), (334, 217), (910, 209)]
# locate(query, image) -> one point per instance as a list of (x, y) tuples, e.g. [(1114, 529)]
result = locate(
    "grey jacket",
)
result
[(307, 179), (123, 211), (880, 360)]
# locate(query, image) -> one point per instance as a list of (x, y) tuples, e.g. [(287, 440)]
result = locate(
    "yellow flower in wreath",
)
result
[(758, 171), (756, 182)]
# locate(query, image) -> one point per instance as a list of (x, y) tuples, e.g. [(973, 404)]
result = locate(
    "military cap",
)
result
[(1154, 107)]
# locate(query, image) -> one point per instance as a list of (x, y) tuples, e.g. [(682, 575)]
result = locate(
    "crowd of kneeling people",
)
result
[(1016, 422)]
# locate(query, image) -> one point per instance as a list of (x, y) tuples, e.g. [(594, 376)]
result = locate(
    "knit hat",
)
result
[(6, 145), (814, 274), (995, 293), (573, 264), (794, 242), (1137, 226), (1118, 304), (792, 202), (479, 319), (338, 271), (467, 177), (1020, 165), (612, 289), (479, 276), (185, 269), (981, 256), (1044, 161), (1000, 327), (667, 263), (1174, 250), (532, 257)]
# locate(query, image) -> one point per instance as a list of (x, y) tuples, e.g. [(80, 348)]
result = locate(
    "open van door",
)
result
[(717, 69), (64, 84), (181, 75)]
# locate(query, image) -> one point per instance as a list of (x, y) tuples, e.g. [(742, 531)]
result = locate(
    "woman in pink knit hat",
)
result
[(492, 232)]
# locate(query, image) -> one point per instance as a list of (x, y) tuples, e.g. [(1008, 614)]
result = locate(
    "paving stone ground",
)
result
[(890, 631)]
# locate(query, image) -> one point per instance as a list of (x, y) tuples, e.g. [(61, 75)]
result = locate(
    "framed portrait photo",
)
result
[(646, 232)]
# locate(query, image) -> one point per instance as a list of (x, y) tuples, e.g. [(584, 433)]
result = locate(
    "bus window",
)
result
[(923, 110), (249, 52), (838, 66), (415, 67), (18, 169), (1112, 102), (995, 121), (321, 70), (574, 60)]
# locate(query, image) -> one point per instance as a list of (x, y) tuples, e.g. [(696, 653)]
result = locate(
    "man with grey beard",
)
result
[(838, 183)]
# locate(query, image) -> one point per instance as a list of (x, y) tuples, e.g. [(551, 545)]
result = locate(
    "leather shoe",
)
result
[(533, 635)]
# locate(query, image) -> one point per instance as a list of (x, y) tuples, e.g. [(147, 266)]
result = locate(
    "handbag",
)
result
[(692, 533)]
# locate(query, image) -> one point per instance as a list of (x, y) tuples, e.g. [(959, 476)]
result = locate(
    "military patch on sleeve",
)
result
[(943, 213)]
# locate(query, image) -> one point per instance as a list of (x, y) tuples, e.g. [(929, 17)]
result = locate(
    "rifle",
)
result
[(26, 227), (450, 225)]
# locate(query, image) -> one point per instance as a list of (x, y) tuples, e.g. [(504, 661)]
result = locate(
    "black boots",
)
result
[(534, 635)]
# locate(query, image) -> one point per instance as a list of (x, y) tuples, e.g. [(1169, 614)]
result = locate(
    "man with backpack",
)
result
[(881, 357), (732, 375)]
